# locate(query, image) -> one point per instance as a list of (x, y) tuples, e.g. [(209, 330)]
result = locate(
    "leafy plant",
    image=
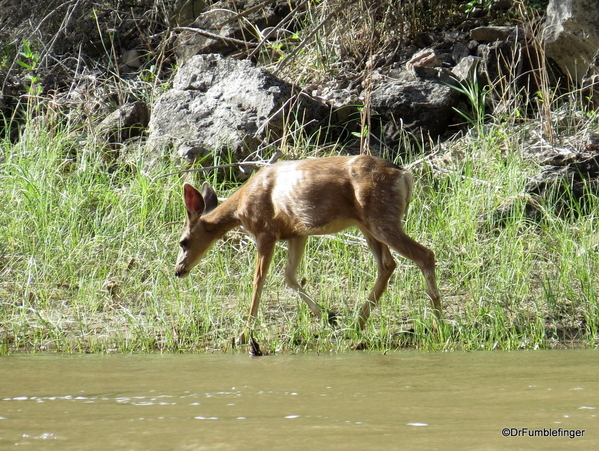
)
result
[(484, 4), (477, 96), (30, 63)]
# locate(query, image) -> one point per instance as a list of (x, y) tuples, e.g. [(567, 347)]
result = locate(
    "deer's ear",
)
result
[(210, 197), (194, 202)]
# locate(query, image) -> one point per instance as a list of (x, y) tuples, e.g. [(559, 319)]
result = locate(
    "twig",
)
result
[(447, 171), (272, 160), (420, 160), (63, 26), (216, 36), (465, 177)]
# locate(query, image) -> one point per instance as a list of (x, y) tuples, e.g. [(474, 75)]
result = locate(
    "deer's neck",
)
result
[(224, 217)]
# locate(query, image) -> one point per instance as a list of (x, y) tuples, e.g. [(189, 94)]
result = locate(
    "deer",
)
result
[(292, 200)]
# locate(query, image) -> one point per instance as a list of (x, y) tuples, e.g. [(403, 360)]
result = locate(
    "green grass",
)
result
[(87, 256)]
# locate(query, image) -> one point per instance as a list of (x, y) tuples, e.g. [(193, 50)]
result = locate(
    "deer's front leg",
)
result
[(266, 246)]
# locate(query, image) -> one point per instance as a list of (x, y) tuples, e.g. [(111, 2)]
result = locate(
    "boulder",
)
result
[(408, 101), (572, 35), (495, 61), (465, 70), (225, 106), (190, 43)]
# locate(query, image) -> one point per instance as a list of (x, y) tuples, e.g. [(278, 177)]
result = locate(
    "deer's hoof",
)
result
[(255, 348), (244, 339)]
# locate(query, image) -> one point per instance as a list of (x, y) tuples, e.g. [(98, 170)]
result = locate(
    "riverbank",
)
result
[(87, 259)]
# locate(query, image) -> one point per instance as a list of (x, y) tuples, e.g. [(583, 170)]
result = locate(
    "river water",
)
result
[(545, 400)]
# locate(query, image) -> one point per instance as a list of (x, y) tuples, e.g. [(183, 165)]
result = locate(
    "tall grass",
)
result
[(87, 261)]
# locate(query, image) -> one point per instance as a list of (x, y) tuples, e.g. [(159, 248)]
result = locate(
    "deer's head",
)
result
[(198, 235)]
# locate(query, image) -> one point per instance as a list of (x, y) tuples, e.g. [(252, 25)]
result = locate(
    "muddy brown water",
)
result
[(356, 401)]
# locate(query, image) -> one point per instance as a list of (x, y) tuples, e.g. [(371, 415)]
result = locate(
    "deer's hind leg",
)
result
[(424, 258), (385, 267)]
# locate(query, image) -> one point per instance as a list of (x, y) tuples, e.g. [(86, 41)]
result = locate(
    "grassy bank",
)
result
[(87, 255)]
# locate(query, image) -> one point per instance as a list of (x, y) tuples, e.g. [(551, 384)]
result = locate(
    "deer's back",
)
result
[(323, 195)]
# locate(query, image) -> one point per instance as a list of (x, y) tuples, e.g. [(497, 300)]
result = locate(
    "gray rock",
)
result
[(186, 12), (491, 33), (495, 59), (572, 35), (414, 103), (226, 106), (568, 183), (425, 63), (126, 122), (466, 68), (190, 43)]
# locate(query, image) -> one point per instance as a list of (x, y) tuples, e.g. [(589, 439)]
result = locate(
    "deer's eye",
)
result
[(184, 243)]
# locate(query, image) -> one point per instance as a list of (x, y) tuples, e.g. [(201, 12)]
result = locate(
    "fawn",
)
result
[(291, 200)]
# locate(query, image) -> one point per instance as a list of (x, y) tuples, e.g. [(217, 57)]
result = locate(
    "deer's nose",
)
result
[(181, 272)]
